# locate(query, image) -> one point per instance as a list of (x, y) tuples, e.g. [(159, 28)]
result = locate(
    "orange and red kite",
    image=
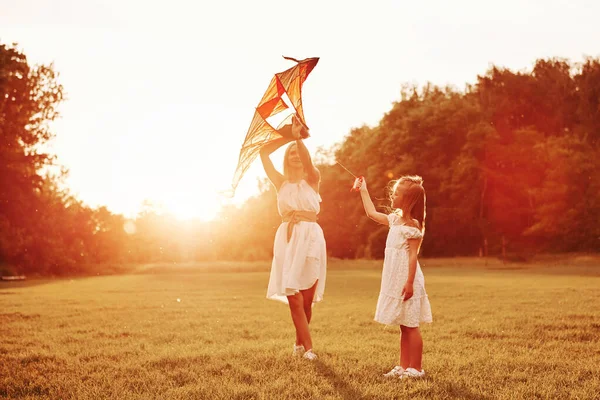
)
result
[(285, 87)]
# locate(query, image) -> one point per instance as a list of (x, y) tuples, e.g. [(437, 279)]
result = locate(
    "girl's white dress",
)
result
[(391, 309), (297, 264)]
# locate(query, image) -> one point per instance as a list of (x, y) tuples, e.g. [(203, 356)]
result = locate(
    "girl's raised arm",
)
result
[(370, 207)]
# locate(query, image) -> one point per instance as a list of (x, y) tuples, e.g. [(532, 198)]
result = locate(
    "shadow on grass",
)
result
[(458, 390), (343, 387)]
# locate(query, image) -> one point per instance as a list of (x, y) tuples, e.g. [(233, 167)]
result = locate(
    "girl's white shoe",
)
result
[(298, 350), (396, 372), (309, 355), (413, 373)]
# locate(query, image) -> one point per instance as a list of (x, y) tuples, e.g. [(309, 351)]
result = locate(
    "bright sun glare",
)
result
[(206, 208), (185, 202)]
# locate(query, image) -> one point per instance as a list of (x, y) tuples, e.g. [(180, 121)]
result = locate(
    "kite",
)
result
[(285, 87)]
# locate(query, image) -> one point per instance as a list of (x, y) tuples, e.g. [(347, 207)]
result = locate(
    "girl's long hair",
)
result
[(414, 199)]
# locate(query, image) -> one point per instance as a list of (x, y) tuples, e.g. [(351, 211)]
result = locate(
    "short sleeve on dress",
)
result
[(392, 219), (412, 233)]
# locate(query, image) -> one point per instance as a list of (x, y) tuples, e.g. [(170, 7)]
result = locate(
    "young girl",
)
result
[(402, 299), (299, 266)]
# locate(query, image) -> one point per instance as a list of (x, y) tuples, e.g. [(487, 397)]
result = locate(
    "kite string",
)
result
[(357, 180), (346, 169)]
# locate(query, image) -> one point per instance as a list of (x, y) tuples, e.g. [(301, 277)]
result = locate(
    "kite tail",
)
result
[(290, 58)]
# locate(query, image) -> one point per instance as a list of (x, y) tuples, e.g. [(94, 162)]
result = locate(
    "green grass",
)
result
[(515, 331)]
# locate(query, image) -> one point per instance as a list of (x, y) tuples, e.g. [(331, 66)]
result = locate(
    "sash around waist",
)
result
[(293, 217)]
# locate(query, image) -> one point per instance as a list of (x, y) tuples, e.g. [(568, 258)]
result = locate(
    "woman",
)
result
[(299, 253)]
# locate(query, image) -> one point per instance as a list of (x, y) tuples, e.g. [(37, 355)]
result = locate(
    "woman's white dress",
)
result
[(297, 264)]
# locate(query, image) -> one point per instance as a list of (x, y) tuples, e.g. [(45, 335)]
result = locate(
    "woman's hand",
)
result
[(407, 291), (296, 129), (299, 130)]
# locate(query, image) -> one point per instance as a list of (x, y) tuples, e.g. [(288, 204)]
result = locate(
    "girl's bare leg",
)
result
[(414, 346)]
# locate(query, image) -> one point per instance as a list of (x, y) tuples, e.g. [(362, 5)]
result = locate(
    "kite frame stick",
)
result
[(293, 107)]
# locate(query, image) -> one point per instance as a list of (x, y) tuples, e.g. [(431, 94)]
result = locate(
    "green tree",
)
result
[(29, 98)]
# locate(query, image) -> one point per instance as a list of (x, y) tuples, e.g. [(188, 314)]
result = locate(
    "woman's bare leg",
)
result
[(309, 295), (296, 303)]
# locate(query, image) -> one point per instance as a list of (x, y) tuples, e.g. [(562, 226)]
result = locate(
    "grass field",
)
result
[(206, 331)]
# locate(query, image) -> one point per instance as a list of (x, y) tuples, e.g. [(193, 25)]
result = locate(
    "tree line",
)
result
[(510, 168)]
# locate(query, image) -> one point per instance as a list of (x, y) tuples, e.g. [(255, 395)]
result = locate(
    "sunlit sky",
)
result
[(150, 83)]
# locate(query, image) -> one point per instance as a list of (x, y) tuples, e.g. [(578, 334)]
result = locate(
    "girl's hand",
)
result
[(407, 291), (363, 184)]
